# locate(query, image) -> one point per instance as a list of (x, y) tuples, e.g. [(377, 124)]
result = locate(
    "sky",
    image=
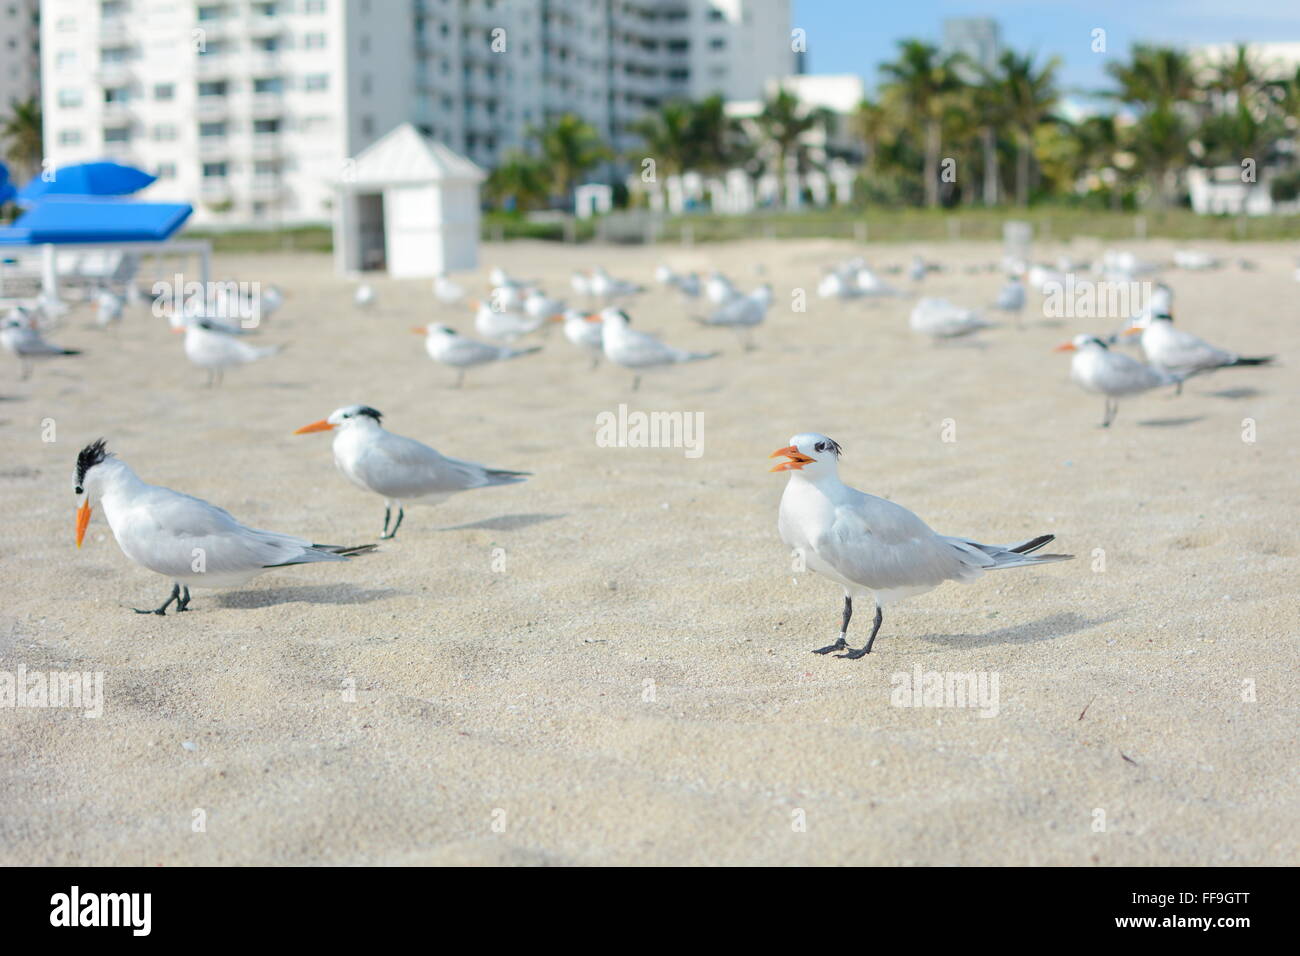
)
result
[(852, 36)]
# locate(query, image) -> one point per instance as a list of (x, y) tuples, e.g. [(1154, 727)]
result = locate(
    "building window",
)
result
[(313, 41), (70, 137), (164, 133), (212, 129), (266, 127), (269, 84), (214, 88), (70, 99), (116, 94), (117, 134), (211, 12), (314, 6), (165, 171), (65, 59), (214, 170), (316, 82)]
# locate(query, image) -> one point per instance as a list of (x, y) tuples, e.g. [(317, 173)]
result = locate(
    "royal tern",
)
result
[(446, 291), (108, 308), (1179, 352), (639, 351), (498, 278), (586, 332), (271, 300), (504, 325), (917, 270), (838, 285), (447, 346), (605, 286), (940, 319), (743, 314), (718, 288), (538, 305), (873, 547), (20, 337), (364, 297), (401, 470), (580, 283), (193, 543), (1096, 367), (209, 346), (870, 284), (1011, 298), (688, 284)]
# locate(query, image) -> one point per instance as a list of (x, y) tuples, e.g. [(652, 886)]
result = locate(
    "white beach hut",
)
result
[(407, 205)]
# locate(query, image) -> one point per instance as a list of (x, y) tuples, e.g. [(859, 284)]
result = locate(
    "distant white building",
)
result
[(976, 38), (250, 107), (20, 58)]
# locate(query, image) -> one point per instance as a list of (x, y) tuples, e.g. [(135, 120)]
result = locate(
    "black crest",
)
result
[(830, 444), (374, 413), (90, 456)]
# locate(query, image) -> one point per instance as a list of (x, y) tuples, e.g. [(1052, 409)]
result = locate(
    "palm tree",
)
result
[(520, 177), (988, 103), (668, 137), (1029, 95), (1160, 83), (717, 140), (783, 123), (21, 136), (570, 147), (924, 78), (870, 123)]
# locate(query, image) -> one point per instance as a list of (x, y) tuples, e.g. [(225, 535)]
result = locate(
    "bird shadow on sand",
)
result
[(304, 593), (1235, 394), (504, 523), (1171, 422), (1044, 629)]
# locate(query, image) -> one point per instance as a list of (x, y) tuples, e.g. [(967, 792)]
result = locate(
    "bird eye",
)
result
[(820, 446), (79, 490)]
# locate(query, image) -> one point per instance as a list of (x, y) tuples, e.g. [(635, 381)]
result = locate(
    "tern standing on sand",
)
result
[(638, 351), (872, 547), (193, 543), (209, 347), (1179, 352), (20, 338), (1098, 368), (445, 345), (402, 470)]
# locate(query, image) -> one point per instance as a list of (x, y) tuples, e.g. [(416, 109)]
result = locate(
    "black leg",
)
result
[(844, 630), (184, 603), (875, 629), (1179, 390), (390, 534), (387, 513), (636, 383), (175, 596)]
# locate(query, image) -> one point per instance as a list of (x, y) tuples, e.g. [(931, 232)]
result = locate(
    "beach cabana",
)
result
[(408, 205)]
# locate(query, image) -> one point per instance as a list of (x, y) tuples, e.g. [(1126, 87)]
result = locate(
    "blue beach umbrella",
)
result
[(87, 179)]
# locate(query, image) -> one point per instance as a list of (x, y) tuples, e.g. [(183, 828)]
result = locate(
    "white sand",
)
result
[(523, 691)]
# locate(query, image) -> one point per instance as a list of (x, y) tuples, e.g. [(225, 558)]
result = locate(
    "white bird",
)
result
[(940, 319), (580, 283), (20, 338), (505, 325), (1041, 278), (108, 308), (718, 289), (870, 284), (639, 351), (1011, 297), (1097, 368), (211, 347), (918, 269), (1194, 260), (498, 278), (688, 284), (365, 297), (402, 470), (193, 543), (586, 332), (605, 286), (270, 301), (872, 547), (447, 291), (445, 345), (538, 305), (1160, 302), (743, 314), (838, 284), (1179, 352)]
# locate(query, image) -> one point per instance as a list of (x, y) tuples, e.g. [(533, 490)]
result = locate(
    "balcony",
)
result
[(114, 74), (264, 62), (267, 146), (114, 30), (266, 187), (215, 189), (261, 25), (267, 105), (213, 147), (212, 108), (118, 112), (214, 66)]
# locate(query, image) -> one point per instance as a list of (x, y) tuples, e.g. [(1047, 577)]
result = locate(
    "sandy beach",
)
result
[(609, 664)]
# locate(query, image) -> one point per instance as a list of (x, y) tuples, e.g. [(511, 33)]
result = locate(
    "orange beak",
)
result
[(83, 519), (1064, 347), (797, 459), (420, 330), (179, 330), (594, 318), (1133, 330), (320, 426)]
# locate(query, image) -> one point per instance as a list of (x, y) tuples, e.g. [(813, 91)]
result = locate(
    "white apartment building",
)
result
[(20, 66), (249, 108)]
